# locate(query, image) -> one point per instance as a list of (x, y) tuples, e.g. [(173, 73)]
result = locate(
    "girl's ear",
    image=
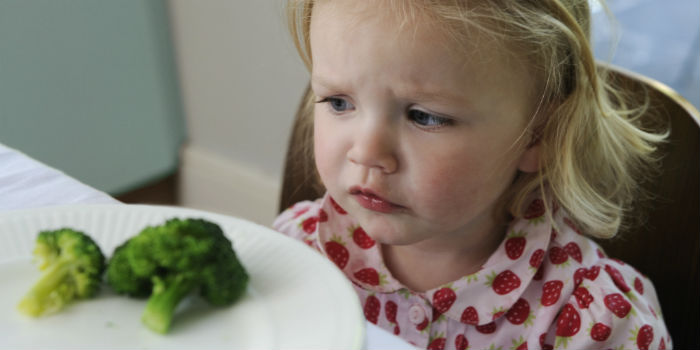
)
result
[(530, 159)]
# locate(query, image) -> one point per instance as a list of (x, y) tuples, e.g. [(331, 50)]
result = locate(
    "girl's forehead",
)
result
[(412, 22), (454, 24), (402, 14)]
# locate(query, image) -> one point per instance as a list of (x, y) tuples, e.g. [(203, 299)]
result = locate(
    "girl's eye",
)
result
[(338, 104), (427, 120)]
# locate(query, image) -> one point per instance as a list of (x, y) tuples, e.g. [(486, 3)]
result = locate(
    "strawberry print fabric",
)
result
[(545, 287)]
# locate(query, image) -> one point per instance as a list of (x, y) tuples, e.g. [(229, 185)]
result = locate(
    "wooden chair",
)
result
[(300, 180), (665, 247)]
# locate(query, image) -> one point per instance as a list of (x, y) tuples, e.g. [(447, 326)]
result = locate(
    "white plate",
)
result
[(296, 299)]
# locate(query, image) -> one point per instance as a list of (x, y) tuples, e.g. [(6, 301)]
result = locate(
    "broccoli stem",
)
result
[(160, 307), (51, 292)]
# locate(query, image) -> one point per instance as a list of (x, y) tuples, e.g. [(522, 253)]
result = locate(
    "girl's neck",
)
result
[(428, 265)]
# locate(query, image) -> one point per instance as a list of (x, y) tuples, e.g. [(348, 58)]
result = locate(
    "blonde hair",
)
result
[(594, 149)]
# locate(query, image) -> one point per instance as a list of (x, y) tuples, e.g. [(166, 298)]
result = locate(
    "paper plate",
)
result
[(296, 299)]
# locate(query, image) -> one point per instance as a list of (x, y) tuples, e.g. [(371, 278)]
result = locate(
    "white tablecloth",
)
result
[(26, 183)]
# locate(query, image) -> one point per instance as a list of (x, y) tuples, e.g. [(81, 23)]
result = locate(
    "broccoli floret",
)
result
[(170, 261), (122, 278), (72, 265)]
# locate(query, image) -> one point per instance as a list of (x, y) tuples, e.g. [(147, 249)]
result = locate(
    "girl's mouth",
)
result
[(371, 201)]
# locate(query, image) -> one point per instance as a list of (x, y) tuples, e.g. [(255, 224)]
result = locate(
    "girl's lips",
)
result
[(369, 200)]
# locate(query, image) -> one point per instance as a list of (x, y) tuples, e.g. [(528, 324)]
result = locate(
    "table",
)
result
[(27, 183)]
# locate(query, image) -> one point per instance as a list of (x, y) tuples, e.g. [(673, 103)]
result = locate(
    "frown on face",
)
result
[(415, 140)]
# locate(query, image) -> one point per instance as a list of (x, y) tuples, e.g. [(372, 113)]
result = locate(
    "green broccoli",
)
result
[(170, 261), (72, 265)]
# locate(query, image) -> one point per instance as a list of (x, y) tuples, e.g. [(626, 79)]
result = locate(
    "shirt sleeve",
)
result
[(299, 221), (617, 310)]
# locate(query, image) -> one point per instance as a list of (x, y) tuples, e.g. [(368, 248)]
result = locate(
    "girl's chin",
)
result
[(385, 236), (388, 229), (396, 242)]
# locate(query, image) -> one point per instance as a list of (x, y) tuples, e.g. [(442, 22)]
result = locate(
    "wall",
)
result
[(89, 87), (659, 39), (241, 82)]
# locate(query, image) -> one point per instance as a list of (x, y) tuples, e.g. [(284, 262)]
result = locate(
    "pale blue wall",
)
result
[(659, 39), (89, 87)]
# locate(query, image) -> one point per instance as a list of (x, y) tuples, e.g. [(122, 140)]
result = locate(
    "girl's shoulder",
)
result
[(605, 301), (299, 220)]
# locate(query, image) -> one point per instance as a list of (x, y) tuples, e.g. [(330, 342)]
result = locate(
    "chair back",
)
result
[(300, 180), (665, 248)]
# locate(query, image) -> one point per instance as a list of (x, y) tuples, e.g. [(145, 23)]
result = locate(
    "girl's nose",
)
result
[(374, 147)]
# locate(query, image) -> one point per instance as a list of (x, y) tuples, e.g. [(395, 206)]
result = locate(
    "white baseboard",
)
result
[(214, 183)]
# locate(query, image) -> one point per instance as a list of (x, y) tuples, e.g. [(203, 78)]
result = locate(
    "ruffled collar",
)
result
[(478, 299)]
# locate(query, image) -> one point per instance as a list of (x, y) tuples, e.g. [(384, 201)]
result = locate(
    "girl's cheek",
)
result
[(325, 151), (447, 183), (320, 157), (434, 178)]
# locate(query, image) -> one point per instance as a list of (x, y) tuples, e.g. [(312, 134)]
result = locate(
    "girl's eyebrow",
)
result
[(415, 92), (421, 92), (318, 80), (442, 95)]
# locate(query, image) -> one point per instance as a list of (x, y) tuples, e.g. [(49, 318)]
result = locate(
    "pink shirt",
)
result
[(541, 288)]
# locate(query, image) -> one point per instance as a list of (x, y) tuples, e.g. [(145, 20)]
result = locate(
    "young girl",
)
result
[(466, 147)]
